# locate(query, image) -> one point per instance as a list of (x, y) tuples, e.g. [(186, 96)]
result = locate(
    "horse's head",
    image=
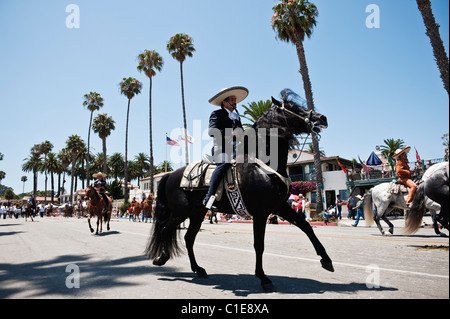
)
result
[(90, 191), (293, 112)]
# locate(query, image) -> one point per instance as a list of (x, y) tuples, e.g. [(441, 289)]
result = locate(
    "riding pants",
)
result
[(412, 189)]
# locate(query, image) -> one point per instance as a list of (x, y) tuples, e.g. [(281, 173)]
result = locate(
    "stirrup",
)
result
[(210, 202)]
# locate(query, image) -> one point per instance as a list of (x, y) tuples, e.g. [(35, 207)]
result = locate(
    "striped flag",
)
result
[(343, 168), (172, 142), (190, 139)]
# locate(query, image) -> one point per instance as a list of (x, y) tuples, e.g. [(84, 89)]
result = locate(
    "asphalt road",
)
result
[(59, 258)]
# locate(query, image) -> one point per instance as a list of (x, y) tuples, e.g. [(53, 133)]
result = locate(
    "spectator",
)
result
[(331, 212), (307, 209), (301, 204), (350, 205), (359, 210), (339, 203)]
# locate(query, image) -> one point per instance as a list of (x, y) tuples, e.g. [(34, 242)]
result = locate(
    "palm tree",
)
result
[(254, 110), (149, 63), (293, 20), (103, 126), (2, 176), (143, 165), (45, 147), (74, 145), (180, 46), (390, 146), (52, 166), (32, 164), (128, 87), (116, 164), (64, 157), (23, 179), (436, 42), (93, 102)]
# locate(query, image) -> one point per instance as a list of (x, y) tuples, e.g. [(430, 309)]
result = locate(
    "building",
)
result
[(301, 167)]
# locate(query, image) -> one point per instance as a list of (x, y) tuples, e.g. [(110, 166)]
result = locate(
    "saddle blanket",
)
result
[(197, 175), (397, 188)]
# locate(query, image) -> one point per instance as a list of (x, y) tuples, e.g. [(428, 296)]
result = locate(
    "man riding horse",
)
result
[(101, 187), (404, 172), (221, 120)]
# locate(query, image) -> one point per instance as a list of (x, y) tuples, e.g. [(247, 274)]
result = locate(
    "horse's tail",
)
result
[(158, 239), (368, 208), (416, 212)]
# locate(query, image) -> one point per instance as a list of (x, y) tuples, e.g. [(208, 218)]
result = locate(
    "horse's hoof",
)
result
[(159, 261), (92, 230), (201, 273), (443, 235), (327, 265), (391, 230), (268, 287)]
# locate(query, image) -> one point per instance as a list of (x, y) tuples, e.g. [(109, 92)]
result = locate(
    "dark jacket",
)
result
[(102, 185), (220, 121)]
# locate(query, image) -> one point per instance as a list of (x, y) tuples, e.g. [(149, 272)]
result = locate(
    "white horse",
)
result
[(385, 201)]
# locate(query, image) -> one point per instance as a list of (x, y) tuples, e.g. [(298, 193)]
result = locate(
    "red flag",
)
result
[(343, 168), (417, 155)]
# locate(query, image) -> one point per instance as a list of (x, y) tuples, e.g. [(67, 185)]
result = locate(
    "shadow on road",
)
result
[(43, 278), (245, 285)]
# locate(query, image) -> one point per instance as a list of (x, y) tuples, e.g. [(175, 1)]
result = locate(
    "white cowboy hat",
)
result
[(400, 152), (239, 92), (359, 197), (99, 174)]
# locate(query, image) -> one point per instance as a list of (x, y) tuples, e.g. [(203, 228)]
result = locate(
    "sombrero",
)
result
[(239, 92), (400, 152), (99, 174)]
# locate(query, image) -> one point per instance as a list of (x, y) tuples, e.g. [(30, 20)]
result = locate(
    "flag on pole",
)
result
[(172, 142), (417, 156), (366, 168), (343, 168), (190, 139)]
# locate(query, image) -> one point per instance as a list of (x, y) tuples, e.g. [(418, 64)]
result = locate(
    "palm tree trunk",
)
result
[(126, 154), (88, 148), (184, 114), (46, 178), (151, 138), (310, 103), (53, 187), (436, 41), (72, 178), (105, 168)]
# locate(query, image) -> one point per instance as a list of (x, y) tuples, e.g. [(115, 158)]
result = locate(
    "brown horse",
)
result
[(98, 207), (29, 211), (68, 210), (147, 207), (135, 211)]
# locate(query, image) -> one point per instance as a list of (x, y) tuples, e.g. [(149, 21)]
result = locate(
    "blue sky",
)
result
[(372, 84)]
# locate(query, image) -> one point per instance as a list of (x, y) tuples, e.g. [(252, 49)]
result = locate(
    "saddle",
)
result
[(397, 187), (197, 176)]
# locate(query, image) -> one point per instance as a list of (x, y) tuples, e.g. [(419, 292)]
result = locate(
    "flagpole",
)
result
[(165, 164)]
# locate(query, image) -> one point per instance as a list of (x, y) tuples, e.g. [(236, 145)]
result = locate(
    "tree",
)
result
[(293, 20), (74, 145), (390, 146), (32, 164), (116, 164), (254, 110), (93, 102), (103, 126), (149, 63), (52, 166), (45, 148), (180, 46), (23, 179), (143, 165), (439, 52), (2, 176), (64, 158), (130, 87), (446, 143)]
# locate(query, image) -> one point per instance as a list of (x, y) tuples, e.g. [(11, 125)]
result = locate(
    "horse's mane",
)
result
[(276, 118)]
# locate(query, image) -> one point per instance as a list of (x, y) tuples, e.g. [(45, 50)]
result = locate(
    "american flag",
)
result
[(172, 142)]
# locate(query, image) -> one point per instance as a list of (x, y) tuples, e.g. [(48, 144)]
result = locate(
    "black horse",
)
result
[(262, 193)]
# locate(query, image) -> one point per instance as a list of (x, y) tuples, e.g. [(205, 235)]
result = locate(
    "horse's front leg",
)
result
[(287, 213), (89, 222), (259, 231)]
